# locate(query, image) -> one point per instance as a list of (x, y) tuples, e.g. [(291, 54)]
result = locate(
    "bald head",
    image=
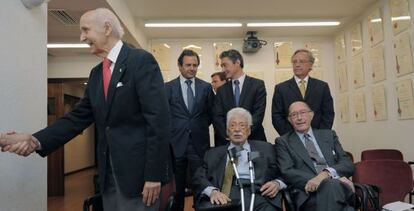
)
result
[(104, 16)]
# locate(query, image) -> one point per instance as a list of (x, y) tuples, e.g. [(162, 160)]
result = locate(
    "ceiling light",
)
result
[(67, 45), (195, 25), (287, 24), (399, 18)]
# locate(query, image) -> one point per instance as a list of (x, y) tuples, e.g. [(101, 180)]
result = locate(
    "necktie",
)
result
[(190, 95), (228, 177), (106, 75), (313, 153), (302, 87), (237, 92)]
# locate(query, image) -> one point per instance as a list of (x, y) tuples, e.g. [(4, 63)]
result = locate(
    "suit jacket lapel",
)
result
[(245, 89), (117, 73), (324, 146), (221, 162), (309, 89), (229, 93), (180, 94), (300, 149), (197, 97), (295, 89)]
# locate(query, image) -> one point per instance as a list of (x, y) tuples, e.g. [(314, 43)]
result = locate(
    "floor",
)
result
[(79, 186)]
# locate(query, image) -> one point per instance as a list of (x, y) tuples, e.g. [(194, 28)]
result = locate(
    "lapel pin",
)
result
[(120, 70)]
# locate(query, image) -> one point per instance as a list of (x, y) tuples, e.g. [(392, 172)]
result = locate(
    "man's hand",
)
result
[(218, 197), (20, 143), (151, 192), (313, 184), (348, 182), (270, 189)]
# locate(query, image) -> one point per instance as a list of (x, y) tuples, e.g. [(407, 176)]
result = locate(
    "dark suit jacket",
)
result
[(215, 160), (252, 98), (189, 127), (296, 165), (317, 96), (132, 125)]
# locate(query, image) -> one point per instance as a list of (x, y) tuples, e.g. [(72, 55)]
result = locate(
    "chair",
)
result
[(381, 154), (385, 154), (393, 177)]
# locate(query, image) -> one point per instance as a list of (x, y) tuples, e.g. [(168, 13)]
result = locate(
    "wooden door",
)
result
[(55, 161)]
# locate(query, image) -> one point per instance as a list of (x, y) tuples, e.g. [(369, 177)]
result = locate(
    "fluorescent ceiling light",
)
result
[(195, 25), (67, 45), (399, 18), (284, 24)]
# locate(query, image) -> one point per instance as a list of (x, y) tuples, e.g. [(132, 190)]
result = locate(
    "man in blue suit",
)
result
[(190, 101)]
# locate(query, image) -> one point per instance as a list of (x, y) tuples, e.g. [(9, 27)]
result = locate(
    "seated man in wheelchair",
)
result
[(313, 162), (215, 183)]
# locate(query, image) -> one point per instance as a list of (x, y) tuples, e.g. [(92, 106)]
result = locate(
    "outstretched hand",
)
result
[(20, 143)]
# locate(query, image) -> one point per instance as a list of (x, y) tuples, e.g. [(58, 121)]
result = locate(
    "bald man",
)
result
[(126, 100)]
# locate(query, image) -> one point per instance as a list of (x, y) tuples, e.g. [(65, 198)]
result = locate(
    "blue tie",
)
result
[(190, 95), (237, 92)]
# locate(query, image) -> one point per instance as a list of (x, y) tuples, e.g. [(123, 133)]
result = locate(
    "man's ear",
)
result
[(108, 28)]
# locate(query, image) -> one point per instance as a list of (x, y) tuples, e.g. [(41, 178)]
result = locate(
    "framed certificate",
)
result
[(282, 54), (356, 39), (405, 99), (358, 71), (379, 103), (403, 55), (162, 54), (400, 15), (315, 48), (340, 50), (376, 60), (375, 31), (219, 47)]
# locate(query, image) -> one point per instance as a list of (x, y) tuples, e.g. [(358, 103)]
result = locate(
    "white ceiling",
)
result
[(213, 10)]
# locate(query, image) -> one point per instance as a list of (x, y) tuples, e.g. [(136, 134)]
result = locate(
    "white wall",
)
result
[(23, 184), (71, 66), (391, 133), (262, 61)]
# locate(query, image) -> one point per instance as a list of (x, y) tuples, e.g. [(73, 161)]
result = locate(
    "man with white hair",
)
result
[(215, 181), (126, 100)]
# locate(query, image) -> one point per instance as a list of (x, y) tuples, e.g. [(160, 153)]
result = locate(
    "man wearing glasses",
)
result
[(301, 87), (313, 162)]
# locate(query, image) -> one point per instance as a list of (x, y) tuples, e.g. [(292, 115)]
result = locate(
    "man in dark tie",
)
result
[(125, 98), (301, 87), (313, 162), (240, 91), (215, 181), (190, 100)]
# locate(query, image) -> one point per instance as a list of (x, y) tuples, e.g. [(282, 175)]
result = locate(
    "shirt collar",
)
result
[(241, 79), (245, 146), (310, 132), (114, 52), (182, 79), (297, 79)]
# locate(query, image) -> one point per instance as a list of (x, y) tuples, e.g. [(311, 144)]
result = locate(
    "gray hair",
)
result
[(104, 15), (308, 52), (239, 112)]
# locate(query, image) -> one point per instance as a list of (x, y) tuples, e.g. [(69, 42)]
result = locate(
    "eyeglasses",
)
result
[(239, 126), (300, 61), (296, 114)]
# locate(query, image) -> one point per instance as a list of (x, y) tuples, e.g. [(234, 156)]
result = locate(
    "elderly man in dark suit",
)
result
[(214, 180), (190, 100), (241, 91), (125, 98), (313, 161), (301, 87)]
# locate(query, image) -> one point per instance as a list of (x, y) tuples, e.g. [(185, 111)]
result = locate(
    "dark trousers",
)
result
[(260, 203), (331, 195), (192, 160)]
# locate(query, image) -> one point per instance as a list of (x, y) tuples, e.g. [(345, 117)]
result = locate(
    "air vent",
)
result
[(63, 17)]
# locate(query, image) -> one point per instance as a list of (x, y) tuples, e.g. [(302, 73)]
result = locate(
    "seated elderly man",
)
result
[(215, 180), (314, 162)]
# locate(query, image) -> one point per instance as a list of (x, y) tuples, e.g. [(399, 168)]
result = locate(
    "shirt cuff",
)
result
[(207, 191), (282, 185), (333, 173)]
